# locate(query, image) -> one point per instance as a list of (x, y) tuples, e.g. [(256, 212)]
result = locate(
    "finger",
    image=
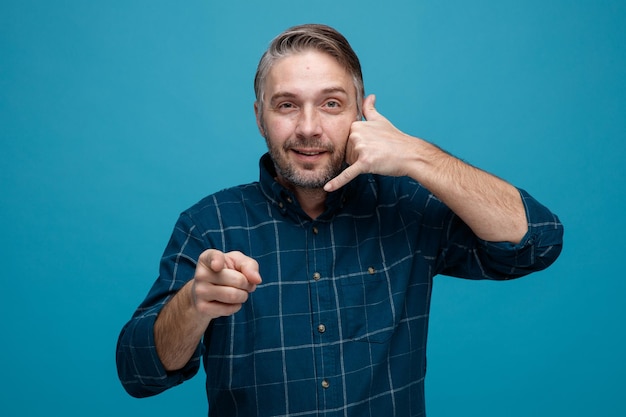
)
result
[(246, 265), (232, 278), (343, 178), (217, 309), (213, 260), (369, 108), (227, 295), (218, 268), (218, 300)]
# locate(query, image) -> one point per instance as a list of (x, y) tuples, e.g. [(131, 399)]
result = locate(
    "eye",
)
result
[(285, 107), (333, 106)]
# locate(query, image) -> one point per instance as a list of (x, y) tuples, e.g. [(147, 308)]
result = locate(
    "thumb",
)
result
[(369, 108)]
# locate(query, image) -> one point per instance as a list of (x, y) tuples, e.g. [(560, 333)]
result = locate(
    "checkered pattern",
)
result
[(338, 327)]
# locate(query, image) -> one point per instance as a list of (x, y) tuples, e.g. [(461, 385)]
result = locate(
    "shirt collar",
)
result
[(286, 201)]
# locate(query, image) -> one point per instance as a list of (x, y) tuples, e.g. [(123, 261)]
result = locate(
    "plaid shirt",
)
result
[(338, 327)]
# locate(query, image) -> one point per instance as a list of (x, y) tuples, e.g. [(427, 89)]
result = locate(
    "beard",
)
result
[(307, 176)]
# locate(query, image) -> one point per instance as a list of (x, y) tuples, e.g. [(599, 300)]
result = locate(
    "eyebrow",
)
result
[(288, 95)]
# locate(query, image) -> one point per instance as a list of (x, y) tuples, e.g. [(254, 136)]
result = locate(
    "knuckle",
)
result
[(235, 296)]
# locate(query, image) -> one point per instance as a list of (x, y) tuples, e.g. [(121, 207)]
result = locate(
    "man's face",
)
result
[(309, 106)]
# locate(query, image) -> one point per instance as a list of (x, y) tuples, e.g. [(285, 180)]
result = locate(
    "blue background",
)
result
[(117, 115)]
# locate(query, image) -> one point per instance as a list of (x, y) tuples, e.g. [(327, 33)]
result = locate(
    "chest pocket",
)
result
[(368, 313)]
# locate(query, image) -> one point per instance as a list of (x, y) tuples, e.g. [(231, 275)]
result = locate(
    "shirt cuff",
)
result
[(541, 244), (145, 374)]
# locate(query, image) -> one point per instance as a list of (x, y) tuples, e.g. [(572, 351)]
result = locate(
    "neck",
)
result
[(312, 200)]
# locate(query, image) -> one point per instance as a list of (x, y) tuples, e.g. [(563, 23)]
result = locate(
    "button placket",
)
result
[(323, 330)]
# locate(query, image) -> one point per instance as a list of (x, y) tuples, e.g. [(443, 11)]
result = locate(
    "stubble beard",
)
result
[(307, 176)]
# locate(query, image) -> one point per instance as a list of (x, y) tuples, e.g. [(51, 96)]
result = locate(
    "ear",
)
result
[(258, 115)]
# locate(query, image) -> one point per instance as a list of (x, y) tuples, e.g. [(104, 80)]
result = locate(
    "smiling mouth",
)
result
[(307, 152)]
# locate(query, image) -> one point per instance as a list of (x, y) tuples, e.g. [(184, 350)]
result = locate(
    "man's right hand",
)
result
[(222, 282), (220, 286)]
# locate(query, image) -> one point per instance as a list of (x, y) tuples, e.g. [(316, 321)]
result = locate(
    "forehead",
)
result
[(307, 72)]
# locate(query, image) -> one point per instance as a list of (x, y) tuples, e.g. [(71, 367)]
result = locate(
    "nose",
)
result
[(309, 123)]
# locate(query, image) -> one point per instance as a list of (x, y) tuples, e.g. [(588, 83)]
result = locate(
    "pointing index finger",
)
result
[(247, 266)]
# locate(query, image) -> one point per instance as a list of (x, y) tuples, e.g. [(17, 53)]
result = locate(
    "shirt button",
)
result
[(315, 230), (325, 384), (321, 328), (371, 270), (317, 276)]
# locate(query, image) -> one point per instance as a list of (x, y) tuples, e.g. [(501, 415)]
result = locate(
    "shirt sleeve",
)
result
[(466, 256), (139, 368)]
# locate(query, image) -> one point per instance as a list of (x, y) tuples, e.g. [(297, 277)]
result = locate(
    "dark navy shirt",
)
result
[(338, 327)]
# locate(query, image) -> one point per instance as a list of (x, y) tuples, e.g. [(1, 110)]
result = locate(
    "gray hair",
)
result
[(302, 38)]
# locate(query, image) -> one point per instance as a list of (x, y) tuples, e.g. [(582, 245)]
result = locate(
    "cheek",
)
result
[(278, 128), (339, 129)]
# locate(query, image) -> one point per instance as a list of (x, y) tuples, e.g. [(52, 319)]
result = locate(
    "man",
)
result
[(307, 293)]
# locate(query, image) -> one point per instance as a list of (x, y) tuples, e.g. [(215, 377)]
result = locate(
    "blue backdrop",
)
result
[(117, 115)]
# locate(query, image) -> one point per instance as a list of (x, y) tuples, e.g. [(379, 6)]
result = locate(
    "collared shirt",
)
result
[(338, 327)]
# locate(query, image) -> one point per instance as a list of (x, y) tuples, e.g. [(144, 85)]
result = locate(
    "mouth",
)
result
[(307, 152)]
